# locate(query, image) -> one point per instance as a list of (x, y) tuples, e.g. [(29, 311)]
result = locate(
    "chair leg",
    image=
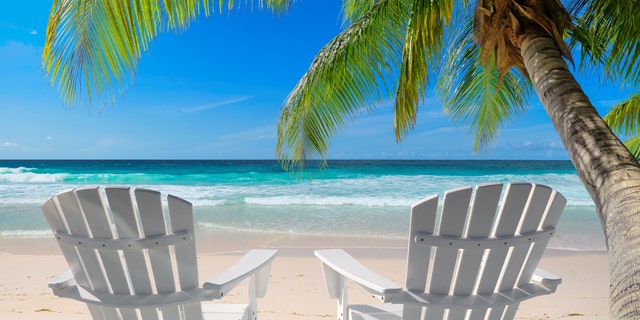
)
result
[(253, 299), (343, 307)]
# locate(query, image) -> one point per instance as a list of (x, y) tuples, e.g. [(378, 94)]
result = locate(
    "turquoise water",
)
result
[(360, 198)]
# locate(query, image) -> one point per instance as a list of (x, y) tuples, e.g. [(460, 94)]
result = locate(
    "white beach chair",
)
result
[(476, 260), (129, 263)]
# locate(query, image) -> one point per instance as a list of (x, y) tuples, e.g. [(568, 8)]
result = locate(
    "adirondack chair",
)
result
[(129, 263), (476, 260)]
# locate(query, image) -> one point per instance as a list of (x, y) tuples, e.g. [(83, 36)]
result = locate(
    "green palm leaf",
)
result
[(476, 94), (633, 145), (353, 10), (93, 47), (347, 78), (422, 48), (624, 117), (593, 51), (614, 36)]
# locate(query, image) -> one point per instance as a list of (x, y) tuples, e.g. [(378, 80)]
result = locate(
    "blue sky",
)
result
[(215, 92)]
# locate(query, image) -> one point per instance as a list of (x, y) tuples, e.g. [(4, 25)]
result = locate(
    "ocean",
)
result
[(356, 198)]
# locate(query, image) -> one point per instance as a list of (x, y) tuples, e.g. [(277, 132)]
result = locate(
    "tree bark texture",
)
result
[(608, 170)]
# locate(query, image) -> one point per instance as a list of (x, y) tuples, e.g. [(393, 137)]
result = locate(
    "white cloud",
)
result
[(49, 138), (538, 145), (12, 146), (434, 114), (33, 32), (9, 145), (213, 105)]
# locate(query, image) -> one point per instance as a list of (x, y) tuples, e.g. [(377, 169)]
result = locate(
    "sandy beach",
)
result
[(297, 289)]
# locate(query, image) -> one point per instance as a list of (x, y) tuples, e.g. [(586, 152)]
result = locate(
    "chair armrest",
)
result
[(546, 279), (62, 281), (254, 262), (339, 262)]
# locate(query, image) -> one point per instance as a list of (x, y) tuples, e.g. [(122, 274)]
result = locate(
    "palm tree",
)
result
[(391, 48)]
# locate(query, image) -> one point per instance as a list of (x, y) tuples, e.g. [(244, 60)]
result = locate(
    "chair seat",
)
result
[(225, 311), (375, 311)]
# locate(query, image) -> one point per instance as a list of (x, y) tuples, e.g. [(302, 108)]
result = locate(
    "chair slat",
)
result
[(128, 314), (409, 312), (76, 222), (494, 262), (423, 217), (181, 215), (481, 217), (536, 207), (171, 312), (110, 313), (513, 203), (54, 218), (192, 311), (123, 211), (455, 206), (483, 212), (553, 215), (478, 314), (496, 313), (124, 218), (556, 204), (510, 311), (153, 224), (91, 203), (452, 221), (96, 312)]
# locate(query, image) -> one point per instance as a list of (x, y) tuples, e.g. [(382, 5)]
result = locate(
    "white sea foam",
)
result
[(4, 170), (208, 202), (25, 188), (25, 175), (24, 233), (329, 201), (260, 229), (217, 226)]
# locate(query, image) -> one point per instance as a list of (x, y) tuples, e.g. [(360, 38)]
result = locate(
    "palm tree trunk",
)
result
[(608, 170)]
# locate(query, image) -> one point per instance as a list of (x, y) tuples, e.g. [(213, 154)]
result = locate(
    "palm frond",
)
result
[(353, 10), (422, 49), (347, 78), (633, 145), (593, 49), (624, 117), (617, 24), (92, 48), (476, 93)]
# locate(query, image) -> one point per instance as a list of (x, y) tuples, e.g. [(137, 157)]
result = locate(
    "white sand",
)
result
[(297, 289)]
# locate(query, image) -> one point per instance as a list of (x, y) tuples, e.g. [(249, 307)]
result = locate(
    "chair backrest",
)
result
[(128, 251), (482, 245)]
